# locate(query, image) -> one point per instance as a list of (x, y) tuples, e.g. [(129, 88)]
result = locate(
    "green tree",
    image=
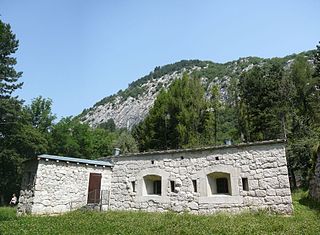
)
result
[(261, 101), (126, 143), (10, 113), (8, 75), (40, 114), (69, 137), (301, 118), (176, 119), (18, 140), (109, 125)]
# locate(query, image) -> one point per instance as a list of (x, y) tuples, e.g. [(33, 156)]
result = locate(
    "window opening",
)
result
[(172, 186), (219, 183), (194, 183), (222, 185), (245, 185), (133, 183), (152, 185)]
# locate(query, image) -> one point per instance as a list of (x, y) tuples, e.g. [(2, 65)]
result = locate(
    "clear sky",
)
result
[(77, 52)]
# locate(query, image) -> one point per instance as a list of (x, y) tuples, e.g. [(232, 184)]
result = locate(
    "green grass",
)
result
[(305, 220)]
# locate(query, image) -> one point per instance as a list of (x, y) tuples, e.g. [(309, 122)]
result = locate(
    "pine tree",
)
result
[(8, 75), (176, 119), (261, 98)]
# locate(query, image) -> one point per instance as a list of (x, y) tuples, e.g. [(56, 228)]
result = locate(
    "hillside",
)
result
[(128, 107)]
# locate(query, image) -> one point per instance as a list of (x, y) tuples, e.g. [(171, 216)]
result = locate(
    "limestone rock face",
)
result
[(130, 111), (131, 106)]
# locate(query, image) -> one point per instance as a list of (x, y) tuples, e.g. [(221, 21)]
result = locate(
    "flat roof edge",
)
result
[(266, 142)]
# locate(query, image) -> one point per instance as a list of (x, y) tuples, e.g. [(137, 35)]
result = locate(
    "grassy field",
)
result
[(306, 220)]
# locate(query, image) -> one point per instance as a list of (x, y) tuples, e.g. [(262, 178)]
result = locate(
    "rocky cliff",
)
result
[(130, 106)]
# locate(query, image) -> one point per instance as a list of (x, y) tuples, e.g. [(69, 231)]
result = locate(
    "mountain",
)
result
[(128, 107)]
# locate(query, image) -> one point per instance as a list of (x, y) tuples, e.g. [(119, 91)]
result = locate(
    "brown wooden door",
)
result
[(94, 188)]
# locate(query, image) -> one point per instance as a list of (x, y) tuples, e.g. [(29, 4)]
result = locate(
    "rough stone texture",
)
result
[(58, 186), (263, 165), (315, 182), (27, 187), (188, 181)]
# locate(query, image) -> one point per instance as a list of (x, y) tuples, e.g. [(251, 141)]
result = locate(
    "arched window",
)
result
[(219, 183), (152, 184)]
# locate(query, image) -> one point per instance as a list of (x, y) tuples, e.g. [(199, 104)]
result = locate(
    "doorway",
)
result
[(94, 188)]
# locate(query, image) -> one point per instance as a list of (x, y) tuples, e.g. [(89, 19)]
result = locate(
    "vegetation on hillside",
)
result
[(305, 220)]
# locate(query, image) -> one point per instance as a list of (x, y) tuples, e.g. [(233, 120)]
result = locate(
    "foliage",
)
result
[(305, 220), (109, 125), (70, 137), (261, 97), (126, 143), (40, 114), (19, 140), (8, 75), (176, 119)]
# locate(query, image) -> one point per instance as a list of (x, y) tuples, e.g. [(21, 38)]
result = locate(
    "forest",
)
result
[(269, 101)]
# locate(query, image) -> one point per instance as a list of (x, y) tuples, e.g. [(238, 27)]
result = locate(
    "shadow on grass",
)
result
[(311, 203)]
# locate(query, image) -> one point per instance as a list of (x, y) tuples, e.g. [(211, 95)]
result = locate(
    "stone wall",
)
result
[(60, 186), (315, 181), (187, 179), (27, 187)]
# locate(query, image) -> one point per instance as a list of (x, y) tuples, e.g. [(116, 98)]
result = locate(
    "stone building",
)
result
[(233, 178), (53, 184)]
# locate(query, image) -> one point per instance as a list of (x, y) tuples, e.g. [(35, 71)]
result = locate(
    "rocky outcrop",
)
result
[(130, 111), (131, 106)]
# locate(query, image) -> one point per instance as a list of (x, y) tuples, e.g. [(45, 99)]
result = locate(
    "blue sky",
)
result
[(77, 52)]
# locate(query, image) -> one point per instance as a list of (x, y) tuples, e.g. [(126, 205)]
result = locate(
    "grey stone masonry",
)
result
[(51, 187), (204, 181), (315, 181), (244, 177)]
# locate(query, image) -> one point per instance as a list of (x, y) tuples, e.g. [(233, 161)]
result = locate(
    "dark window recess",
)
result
[(245, 185), (157, 187), (194, 183), (222, 185), (152, 161), (172, 186), (133, 183)]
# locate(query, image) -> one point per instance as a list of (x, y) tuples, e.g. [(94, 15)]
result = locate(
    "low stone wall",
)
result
[(188, 180), (314, 189), (59, 187)]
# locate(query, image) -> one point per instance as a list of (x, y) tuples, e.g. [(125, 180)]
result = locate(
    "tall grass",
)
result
[(305, 220)]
